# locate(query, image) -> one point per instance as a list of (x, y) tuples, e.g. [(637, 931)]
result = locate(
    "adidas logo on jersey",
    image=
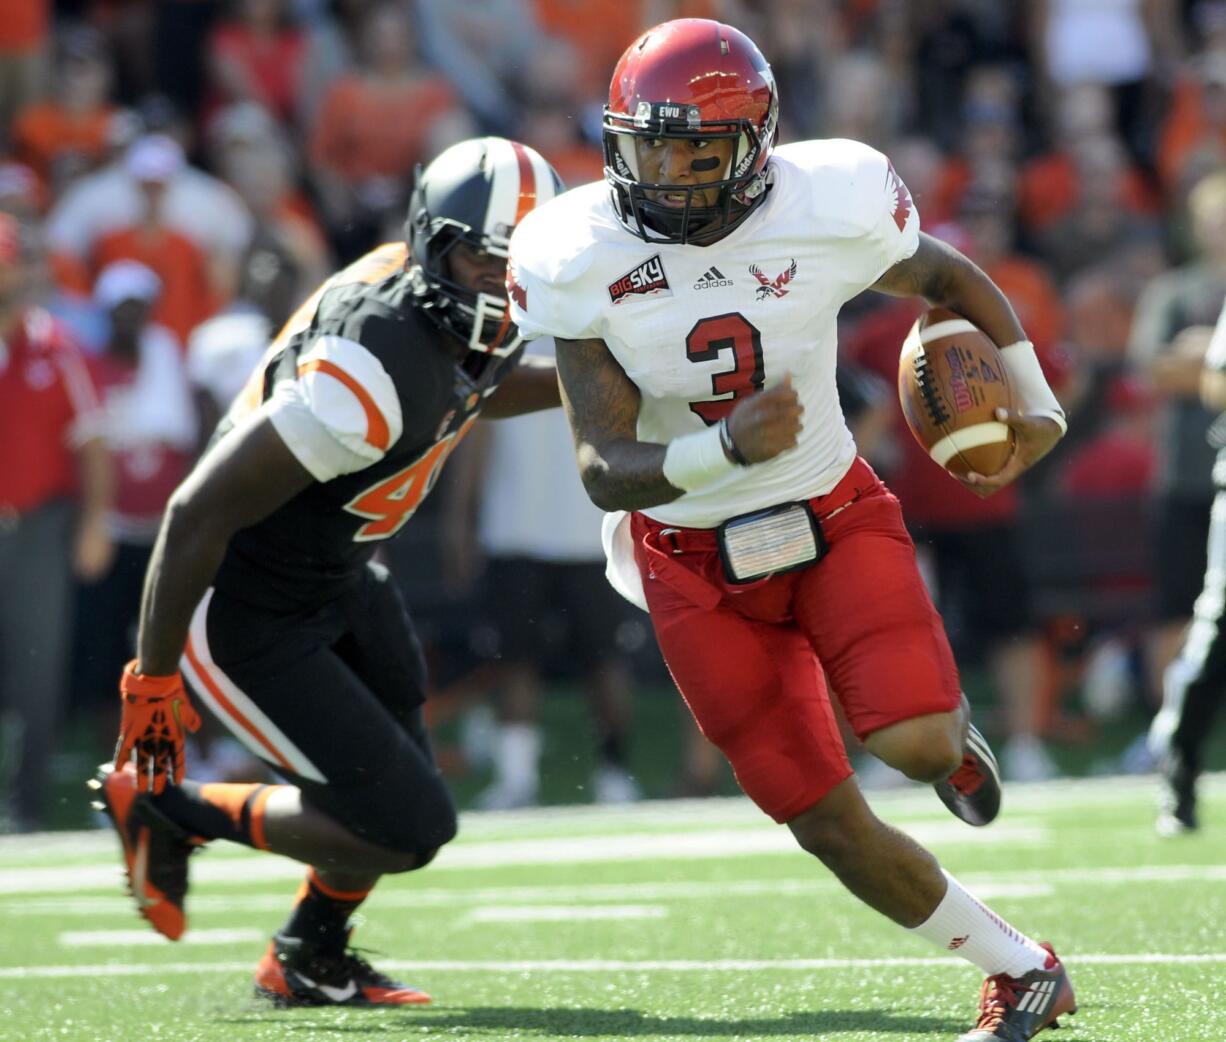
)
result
[(712, 278)]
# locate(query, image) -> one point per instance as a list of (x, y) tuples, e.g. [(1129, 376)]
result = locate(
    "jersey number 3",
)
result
[(706, 340), (391, 502)]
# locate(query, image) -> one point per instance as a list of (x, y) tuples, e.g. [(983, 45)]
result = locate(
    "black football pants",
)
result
[(331, 699)]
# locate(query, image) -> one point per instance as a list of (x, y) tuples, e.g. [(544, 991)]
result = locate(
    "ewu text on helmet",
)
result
[(692, 78)]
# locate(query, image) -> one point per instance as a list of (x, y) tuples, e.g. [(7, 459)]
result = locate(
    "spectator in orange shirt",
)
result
[(1193, 138), (598, 30), (1052, 184), (187, 297), (553, 120), (374, 126), (257, 55), (67, 135), (1100, 223), (24, 26)]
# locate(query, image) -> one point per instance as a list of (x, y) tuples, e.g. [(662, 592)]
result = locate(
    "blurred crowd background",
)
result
[(178, 174)]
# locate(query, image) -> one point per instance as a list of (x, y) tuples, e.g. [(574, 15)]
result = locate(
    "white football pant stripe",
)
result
[(235, 709)]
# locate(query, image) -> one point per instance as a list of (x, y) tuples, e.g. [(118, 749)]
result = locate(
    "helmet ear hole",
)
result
[(629, 154)]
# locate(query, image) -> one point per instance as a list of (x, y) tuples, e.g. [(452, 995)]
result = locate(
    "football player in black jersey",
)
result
[(262, 596)]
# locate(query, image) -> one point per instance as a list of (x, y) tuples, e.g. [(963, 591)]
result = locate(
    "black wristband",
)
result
[(729, 446)]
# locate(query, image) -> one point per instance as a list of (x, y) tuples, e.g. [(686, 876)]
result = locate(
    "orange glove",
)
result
[(155, 714)]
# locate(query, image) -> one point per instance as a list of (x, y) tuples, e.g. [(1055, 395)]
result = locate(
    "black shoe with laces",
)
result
[(1015, 1009), (1177, 805), (295, 972), (972, 792)]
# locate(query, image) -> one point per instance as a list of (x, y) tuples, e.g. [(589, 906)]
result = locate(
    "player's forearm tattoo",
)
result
[(946, 278), (619, 471), (931, 272)]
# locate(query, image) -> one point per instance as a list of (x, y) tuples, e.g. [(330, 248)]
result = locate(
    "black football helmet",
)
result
[(475, 192)]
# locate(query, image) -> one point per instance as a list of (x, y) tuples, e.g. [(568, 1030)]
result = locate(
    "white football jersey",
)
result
[(696, 328)]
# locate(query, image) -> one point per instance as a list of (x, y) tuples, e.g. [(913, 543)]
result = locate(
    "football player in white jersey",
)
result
[(694, 299)]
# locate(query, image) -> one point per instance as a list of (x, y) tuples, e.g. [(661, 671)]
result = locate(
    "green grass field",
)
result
[(662, 921)]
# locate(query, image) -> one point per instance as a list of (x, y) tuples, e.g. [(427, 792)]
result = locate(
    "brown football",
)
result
[(951, 381)]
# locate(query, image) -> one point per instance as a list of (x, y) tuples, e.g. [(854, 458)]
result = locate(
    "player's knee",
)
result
[(932, 762), (926, 749), (394, 862), (834, 827), (412, 832), (424, 857)]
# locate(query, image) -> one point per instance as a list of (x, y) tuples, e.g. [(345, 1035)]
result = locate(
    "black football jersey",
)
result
[(371, 397)]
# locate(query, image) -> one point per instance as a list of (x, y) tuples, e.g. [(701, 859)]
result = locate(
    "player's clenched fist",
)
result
[(768, 423)]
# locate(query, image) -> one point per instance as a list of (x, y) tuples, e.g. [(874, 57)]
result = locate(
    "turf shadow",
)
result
[(564, 1022)]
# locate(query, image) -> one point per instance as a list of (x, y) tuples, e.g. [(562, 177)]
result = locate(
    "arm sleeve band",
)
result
[(1033, 396), (694, 460)]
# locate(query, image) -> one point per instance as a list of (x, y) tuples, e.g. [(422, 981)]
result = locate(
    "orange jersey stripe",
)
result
[(229, 707), (377, 433)]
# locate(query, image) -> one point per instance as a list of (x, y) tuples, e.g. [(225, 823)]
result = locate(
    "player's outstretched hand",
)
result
[(767, 423), (1034, 437), (156, 714)]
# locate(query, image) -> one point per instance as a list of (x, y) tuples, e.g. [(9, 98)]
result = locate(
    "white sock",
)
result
[(963, 925), (517, 754)]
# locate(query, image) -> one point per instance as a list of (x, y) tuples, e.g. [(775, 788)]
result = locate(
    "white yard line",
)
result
[(482, 826), (987, 885), (147, 938), (563, 913), (439, 898), (643, 846), (596, 965)]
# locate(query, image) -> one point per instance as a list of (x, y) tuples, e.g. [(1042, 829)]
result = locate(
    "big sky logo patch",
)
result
[(645, 280)]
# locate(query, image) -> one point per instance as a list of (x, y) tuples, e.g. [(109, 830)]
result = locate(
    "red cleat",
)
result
[(1014, 1009)]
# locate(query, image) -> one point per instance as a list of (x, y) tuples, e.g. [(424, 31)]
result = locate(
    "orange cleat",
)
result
[(295, 973), (155, 850)]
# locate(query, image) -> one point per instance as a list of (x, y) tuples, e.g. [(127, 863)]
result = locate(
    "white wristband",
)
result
[(1031, 393), (694, 460)]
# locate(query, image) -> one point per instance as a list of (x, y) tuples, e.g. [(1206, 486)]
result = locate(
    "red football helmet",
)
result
[(689, 78)]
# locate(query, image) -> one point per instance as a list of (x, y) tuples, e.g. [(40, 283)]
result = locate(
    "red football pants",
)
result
[(749, 660)]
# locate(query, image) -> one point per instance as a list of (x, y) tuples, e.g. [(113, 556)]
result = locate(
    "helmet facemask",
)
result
[(481, 321), (739, 187)]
